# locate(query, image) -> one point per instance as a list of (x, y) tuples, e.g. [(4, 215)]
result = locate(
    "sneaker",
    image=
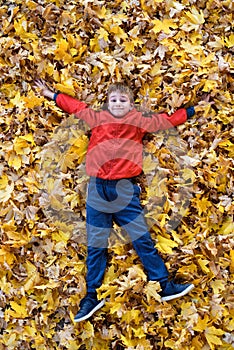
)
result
[(88, 305), (172, 290)]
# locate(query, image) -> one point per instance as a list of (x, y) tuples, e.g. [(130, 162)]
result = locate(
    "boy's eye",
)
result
[(121, 100)]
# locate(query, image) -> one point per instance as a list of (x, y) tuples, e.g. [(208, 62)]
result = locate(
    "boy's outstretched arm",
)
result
[(65, 102), (163, 121)]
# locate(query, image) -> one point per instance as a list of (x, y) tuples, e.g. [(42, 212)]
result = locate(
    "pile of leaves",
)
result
[(171, 53)]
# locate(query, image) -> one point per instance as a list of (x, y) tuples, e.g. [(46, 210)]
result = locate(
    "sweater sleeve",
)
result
[(163, 121), (69, 104), (80, 109)]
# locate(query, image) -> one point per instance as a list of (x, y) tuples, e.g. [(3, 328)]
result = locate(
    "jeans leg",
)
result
[(151, 260), (98, 225), (96, 265), (132, 220), (97, 234)]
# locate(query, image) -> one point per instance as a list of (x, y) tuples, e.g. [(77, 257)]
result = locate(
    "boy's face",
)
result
[(119, 104)]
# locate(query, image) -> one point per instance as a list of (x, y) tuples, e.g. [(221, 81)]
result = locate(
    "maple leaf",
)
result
[(212, 335), (165, 245), (32, 101), (202, 203), (151, 290), (192, 20), (164, 25)]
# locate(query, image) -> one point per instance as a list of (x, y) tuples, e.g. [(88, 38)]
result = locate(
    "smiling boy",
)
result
[(114, 159), (119, 102)]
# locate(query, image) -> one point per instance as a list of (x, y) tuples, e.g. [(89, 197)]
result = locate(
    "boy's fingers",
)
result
[(40, 83)]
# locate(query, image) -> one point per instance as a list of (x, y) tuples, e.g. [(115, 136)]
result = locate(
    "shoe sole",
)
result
[(174, 296), (85, 317)]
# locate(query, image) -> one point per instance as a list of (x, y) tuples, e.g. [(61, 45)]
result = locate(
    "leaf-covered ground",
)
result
[(172, 53)]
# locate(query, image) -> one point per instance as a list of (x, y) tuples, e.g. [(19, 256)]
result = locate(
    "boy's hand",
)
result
[(44, 90)]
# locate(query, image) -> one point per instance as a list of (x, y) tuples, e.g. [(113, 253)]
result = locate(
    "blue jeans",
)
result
[(117, 201)]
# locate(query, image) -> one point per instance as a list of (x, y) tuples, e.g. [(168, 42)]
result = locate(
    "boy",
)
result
[(114, 159)]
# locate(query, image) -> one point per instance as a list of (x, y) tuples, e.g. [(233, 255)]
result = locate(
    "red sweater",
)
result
[(115, 147)]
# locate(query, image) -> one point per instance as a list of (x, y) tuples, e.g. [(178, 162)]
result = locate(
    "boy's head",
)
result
[(120, 99), (123, 88)]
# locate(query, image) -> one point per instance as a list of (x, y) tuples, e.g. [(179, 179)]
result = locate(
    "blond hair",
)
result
[(121, 87)]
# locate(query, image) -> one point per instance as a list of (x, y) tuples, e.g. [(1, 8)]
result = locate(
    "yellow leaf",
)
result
[(130, 44), (30, 330), (195, 16), (131, 316), (151, 290), (3, 181), (156, 69), (21, 30), (6, 193), (87, 331), (165, 245), (211, 334), (228, 145), (32, 276), (101, 12), (107, 290), (188, 174), (28, 137), (32, 101), (229, 41), (10, 341), (56, 203), (116, 306), (210, 85), (201, 204), (170, 344), (14, 161), (192, 20), (202, 263), (6, 257), (17, 101), (202, 324), (80, 147), (13, 234), (163, 25), (148, 164), (66, 87), (103, 34), (118, 32), (21, 145), (67, 160), (128, 341), (227, 227), (19, 308), (72, 199), (218, 286), (50, 285), (139, 332), (232, 261), (61, 236), (61, 53)]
